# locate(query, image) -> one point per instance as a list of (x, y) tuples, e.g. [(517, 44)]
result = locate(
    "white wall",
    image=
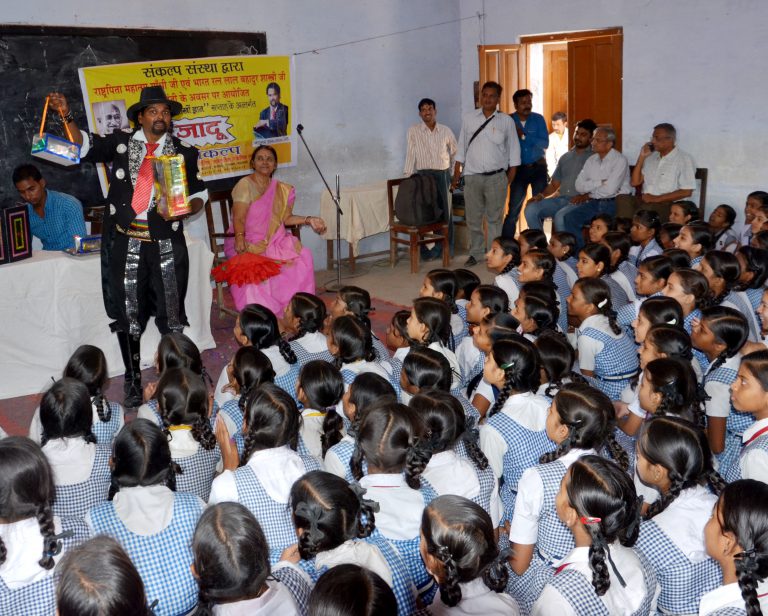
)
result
[(355, 102), (699, 64)]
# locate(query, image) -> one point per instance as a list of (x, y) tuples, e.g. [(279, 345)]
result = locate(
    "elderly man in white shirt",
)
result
[(604, 176), (663, 172), (489, 153)]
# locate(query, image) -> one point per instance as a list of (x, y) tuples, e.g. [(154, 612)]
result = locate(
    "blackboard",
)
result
[(35, 60)]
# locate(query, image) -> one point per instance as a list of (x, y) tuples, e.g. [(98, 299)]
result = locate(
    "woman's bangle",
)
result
[(239, 234)]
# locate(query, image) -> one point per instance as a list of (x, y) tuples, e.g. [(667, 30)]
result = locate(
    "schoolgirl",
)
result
[(651, 278), (603, 574), (513, 435), (595, 262), (319, 389), (232, 570), (350, 343), (753, 263), (673, 456), (397, 339), (759, 219), (721, 222), (737, 538), (540, 266), (80, 466), (304, 319), (269, 465), (429, 325), (367, 390), (755, 200), (720, 334), (644, 233), (669, 387), (759, 240), (668, 233), (607, 355), (503, 259), (691, 290), (622, 270), (467, 281), (153, 523), (695, 239), (183, 404), (389, 443), (678, 257), (31, 537), (749, 395), (486, 301), (458, 465), (532, 239), (443, 285), (535, 315), (556, 359), (683, 212), (562, 246), (598, 226), (335, 526), (247, 371), (349, 590), (354, 301), (580, 422), (459, 548), (97, 578)]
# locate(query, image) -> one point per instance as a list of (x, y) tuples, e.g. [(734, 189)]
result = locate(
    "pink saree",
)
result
[(297, 273)]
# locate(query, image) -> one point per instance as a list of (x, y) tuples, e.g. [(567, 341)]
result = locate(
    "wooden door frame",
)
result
[(569, 36)]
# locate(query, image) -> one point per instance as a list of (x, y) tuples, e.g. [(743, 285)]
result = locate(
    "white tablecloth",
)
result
[(365, 213), (51, 304)]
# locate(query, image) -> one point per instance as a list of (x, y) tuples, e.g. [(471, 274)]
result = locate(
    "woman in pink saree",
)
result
[(262, 207)]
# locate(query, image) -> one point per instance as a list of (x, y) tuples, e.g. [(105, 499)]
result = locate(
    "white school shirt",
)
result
[(587, 347), (729, 595), (276, 600), (401, 353), (276, 469), (401, 505), (477, 600), (719, 404), (754, 463), (527, 409), (530, 500), (332, 464), (363, 365), (618, 599), (447, 473), (506, 283), (467, 355), (36, 428), (24, 544), (604, 178), (452, 361), (71, 459), (182, 444), (485, 389), (313, 342), (457, 324), (219, 395), (684, 519), (359, 553), (312, 430)]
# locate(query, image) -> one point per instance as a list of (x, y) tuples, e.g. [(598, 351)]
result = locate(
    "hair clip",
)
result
[(602, 302), (507, 365), (586, 519), (672, 321)]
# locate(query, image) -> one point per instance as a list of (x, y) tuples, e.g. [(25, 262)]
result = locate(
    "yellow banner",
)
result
[(230, 104)]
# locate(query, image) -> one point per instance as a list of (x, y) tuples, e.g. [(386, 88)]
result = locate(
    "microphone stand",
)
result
[(337, 202)]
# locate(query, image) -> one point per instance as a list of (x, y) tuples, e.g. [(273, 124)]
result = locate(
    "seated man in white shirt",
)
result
[(558, 141), (604, 176), (663, 172)]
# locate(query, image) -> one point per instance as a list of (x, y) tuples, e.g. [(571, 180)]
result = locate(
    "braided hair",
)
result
[(353, 341), (459, 540), (327, 511), (65, 411), (435, 315), (272, 419), (730, 329), (176, 350), (367, 390), (259, 326), (683, 450), (426, 368), (230, 554), (444, 281), (251, 369), (389, 438), (540, 259), (724, 267), (556, 357), (89, 365), (446, 425), (590, 418), (310, 312), (141, 457), (509, 247), (604, 498), (27, 491), (516, 356), (323, 388), (676, 382), (182, 399), (742, 511), (597, 293), (357, 302)]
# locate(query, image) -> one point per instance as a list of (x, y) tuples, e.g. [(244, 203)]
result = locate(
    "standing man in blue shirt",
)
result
[(534, 139), (54, 217)]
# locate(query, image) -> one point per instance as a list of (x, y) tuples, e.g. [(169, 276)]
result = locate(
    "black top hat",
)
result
[(150, 96)]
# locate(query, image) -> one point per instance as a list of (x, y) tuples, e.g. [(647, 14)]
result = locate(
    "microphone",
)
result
[(299, 128)]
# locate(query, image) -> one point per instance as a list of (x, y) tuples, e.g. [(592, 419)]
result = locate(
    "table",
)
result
[(51, 303), (365, 213)]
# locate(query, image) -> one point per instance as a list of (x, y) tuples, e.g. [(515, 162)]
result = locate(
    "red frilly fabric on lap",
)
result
[(246, 268)]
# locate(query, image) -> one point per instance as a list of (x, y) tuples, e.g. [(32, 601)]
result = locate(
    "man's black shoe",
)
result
[(470, 262)]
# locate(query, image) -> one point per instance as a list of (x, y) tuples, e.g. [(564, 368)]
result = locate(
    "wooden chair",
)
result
[(216, 236), (415, 236), (94, 214)]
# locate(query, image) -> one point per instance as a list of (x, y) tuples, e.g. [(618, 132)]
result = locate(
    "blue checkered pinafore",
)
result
[(469, 410), (741, 302), (524, 448), (343, 450), (287, 381), (734, 471), (74, 500), (231, 408), (629, 272), (695, 261), (615, 365), (163, 560), (105, 431), (198, 472), (275, 518), (42, 593), (402, 583), (688, 326), (304, 357), (618, 295), (682, 582), (457, 338), (296, 584), (651, 249)]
